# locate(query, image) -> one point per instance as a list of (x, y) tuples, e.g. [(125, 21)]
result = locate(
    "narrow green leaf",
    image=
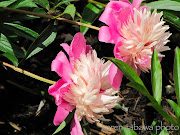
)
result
[(43, 3), (142, 90), (23, 3), (177, 73), (172, 18), (71, 10), (89, 15), (164, 132), (175, 107), (156, 77), (43, 36), (160, 110), (168, 5), (21, 31), (127, 71), (11, 57), (65, 122), (127, 131), (47, 42), (6, 3), (7, 47)]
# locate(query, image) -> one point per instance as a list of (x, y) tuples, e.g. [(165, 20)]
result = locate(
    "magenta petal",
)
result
[(108, 17), (76, 127), (105, 35), (137, 3), (115, 76), (88, 48), (60, 115), (66, 47), (62, 66), (78, 46)]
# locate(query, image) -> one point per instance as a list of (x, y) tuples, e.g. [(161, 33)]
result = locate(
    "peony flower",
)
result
[(85, 84), (135, 33)]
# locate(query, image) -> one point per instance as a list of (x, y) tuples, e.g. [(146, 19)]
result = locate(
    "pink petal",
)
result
[(88, 48), (60, 116), (115, 76), (105, 35), (66, 105), (108, 17), (62, 66), (137, 3), (66, 47), (78, 46), (76, 127)]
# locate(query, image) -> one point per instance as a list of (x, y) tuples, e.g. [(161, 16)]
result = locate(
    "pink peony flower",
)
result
[(135, 32), (85, 84)]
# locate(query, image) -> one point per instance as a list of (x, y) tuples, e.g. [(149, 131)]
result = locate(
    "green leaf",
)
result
[(23, 3), (142, 90), (11, 57), (160, 110), (175, 107), (127, 70), (89, 15), (172, 18), (168, 5), (43, 3), (156, 77), (21, 31), (164, 132), (71, 10), (43, 36), (127, 131), (47, 42), (63, 2), (177, 73), (65, 122), (7, 47), (6, 3)]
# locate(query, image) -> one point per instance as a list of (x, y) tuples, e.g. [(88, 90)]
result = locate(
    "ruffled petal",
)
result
[(66, 47), (60, 115), (76, 127), (78, 46), (62, 66), (105, 35), (115, 76), (88, 48)]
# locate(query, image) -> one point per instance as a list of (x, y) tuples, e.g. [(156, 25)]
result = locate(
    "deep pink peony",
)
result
[(85, 84), (135, 32)]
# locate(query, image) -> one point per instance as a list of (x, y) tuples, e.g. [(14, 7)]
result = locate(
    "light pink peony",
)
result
[(85, 84), (135, 32)]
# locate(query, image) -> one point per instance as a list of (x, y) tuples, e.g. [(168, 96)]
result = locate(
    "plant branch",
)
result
[(95, 2), (28, 73), (50, 17)]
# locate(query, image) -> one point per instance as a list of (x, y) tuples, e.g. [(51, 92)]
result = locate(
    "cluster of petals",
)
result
[(135, 32), (84, 85)]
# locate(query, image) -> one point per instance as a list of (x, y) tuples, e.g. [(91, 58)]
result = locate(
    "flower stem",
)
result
[(28, 73), (95, 2), (50, 17)]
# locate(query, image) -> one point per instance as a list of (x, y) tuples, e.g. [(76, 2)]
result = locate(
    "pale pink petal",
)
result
[(78, 46), (76, 127), (62, 66), (88, 48), (115, 76), (137, 3), (66, 47), (105, 35), (60, 115)]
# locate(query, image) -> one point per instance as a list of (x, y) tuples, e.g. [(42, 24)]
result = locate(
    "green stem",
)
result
[(95, 2), (28, 73), (50, 17)]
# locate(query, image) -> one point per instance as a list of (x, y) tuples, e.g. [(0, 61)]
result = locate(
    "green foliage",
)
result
[(89, 15), (71, 10), (127, 131), (156, 75)]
